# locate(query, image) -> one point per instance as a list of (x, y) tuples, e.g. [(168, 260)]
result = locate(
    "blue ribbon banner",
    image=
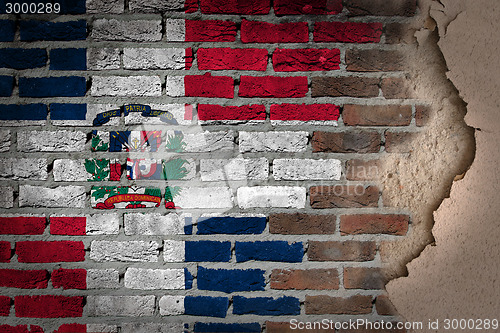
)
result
[(146, 111)]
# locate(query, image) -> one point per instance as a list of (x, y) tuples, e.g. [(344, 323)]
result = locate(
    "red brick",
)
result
[(377, 115), (210, 31), (235, 59), (323, 304), (190, 6), (72, 328), (22, 225), (39, 251), (391, 224), (347, 32), (363, 278), (381, 7), (69, 278), (219, 112), (249, 7), (346, 142), (385, 307), (115, 171), (291, 60), (4, 306), (316, 279), (48, 306), (188, 57), (396, 88), (299, 7), (298, 223), (362, 170), (5, 251), (20, 329), (400, 142), (341, 251), (422, 115), (397, 33), (304, 112), (62, 225), (263, 32), (209, 86), (345, 86), (374, 61), (273, 86), (24, 279), (343, 196)]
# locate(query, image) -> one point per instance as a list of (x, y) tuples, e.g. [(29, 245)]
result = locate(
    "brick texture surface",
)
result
[(201, 166)]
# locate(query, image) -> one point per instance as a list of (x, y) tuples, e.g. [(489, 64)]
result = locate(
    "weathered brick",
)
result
[(393, 87), (222, 327), (155, 58), (174, 251), (75, 170), (272, 141), (136, 327), (391, 224), (102, 7), (48, 306), (63, 86), (305, 169), (363, 278), (120, 306), (286, 327), (6, 197), (346, 142), (297, 224), (377, 115), (126, 31), (50, 141), (381, 7), (234, 169), (17, 58), (22, 225), (213, 251), (293, 60), (296, 114), (7, 30), (6, 85), (59, 197), (204, 141), (344, 196), (200, 86), (23, 114), (243, 224), (273, 86), (384, 306), (232, 59), (171, 305), (206, 306), (5, 306), (155, 6), (205, 197), (68, 225), (398, 33), (23, 168), (269, 251), (363, 169), (219, 114), (55, 251), (271, 196), (5, 251), (266, 306), (235, 7), (347, 32), (230, 280), (4, 140), (209, 31), (126, 86), (153, 224), (33, 30), (153, 279), (69, 278), (345, 86), (354, 305), (422, 115), (182, 113), (299, 7), (135, 251), (341, 251), (374, 60), (263, 32), (400, 142), (316, 279), (68, 59), (103, 279), (24, 279), (99, 59)]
